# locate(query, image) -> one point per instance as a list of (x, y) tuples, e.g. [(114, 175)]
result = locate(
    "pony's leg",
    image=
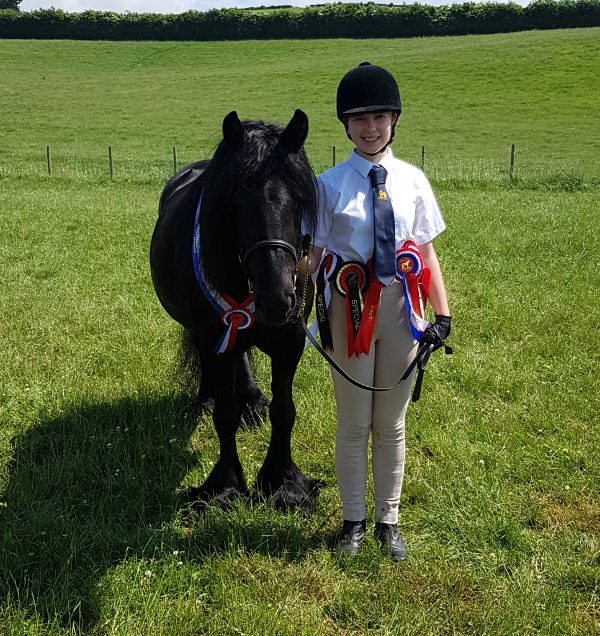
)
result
[(250, 399), (205, 400), (226, 481), (279, 476)]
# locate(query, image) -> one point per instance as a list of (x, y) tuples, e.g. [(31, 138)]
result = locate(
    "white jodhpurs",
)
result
[(360, 412)]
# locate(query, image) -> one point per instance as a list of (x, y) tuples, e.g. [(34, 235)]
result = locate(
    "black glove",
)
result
[(433, 338), (436, 333)]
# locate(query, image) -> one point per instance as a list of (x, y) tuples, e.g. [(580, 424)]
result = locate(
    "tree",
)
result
[(10, 4)]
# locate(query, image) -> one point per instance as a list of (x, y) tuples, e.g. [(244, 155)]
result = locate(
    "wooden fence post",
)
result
[(423, 158), (174, 160), (334, 157), (49, 157), (512, 161), (110, 161)]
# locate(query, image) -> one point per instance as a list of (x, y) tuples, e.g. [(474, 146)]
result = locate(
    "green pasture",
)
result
[(501, 505), (467, 99)]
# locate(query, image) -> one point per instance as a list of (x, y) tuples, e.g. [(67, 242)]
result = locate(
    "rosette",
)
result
[(414, 276), (352, 281)]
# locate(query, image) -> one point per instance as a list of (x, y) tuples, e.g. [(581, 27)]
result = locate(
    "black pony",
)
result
[(258, 197)]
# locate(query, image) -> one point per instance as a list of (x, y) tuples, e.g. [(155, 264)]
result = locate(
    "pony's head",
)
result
[(259, 198)]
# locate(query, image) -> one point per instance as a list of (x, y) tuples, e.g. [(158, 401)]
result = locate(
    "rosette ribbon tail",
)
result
[(364, 337), (226, 343), (354, 317), (321, 309)]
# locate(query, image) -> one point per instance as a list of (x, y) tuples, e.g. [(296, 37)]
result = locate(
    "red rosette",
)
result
[(351, 282), (351, 274)]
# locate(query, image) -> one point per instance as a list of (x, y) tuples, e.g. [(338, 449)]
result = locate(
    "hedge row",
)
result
[(329, 21)]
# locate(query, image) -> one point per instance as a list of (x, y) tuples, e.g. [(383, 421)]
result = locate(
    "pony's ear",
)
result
[(294, 135), (233, 131)]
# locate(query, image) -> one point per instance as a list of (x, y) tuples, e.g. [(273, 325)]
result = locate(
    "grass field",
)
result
[(467, 99), (501, 506)]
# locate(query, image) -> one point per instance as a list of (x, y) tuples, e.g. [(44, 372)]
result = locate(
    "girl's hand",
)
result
[(437, 332), (315, 260)]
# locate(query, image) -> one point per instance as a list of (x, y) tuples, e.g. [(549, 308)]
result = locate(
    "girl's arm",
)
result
[(437, 291)]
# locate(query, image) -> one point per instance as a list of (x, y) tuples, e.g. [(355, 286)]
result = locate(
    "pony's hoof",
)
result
[(293, 494), (199, 499), (290, 488)]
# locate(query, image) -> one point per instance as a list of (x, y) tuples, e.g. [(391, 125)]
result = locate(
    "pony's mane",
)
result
[(248, 166)]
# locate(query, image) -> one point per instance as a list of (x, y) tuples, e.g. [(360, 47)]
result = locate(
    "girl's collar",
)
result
[(363, 166)]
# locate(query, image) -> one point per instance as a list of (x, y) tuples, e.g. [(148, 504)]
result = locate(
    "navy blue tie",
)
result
[(384, 248)]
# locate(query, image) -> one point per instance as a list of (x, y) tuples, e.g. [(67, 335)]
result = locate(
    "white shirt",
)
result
[(345, 207)]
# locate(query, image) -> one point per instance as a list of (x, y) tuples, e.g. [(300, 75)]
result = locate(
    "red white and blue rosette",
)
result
[(234, 316), (414, 276)]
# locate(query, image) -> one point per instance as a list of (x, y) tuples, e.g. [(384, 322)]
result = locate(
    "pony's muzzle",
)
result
[(274, 309)]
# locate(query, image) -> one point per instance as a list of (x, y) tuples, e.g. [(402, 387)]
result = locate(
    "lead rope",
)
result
[(420, 359)]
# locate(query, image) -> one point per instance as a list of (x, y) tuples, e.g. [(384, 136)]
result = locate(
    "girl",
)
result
[(371, 206)]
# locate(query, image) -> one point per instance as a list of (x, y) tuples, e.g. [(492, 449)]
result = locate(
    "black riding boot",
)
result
[(352, 536), (390, 538)]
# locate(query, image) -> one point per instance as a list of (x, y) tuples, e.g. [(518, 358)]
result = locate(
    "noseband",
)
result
[(270, 243)]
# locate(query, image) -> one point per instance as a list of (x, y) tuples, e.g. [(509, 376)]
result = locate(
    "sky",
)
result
[(178, 6)]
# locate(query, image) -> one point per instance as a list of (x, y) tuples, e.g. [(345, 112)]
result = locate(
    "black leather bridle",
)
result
[(270, 243)]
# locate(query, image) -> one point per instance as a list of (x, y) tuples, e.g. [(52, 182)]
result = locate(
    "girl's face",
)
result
[(370, 132)]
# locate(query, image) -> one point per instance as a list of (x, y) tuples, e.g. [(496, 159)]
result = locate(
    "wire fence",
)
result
[(565, 173)]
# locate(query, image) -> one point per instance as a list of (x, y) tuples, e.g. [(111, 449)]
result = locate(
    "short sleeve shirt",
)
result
[(345, 207)]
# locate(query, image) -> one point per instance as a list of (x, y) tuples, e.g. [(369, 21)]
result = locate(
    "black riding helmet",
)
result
[(368, 89)]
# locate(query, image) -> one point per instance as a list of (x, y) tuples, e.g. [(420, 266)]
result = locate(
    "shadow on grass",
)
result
[(93, 487)]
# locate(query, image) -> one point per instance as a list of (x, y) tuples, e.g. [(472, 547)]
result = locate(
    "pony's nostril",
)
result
[(273, 309)]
